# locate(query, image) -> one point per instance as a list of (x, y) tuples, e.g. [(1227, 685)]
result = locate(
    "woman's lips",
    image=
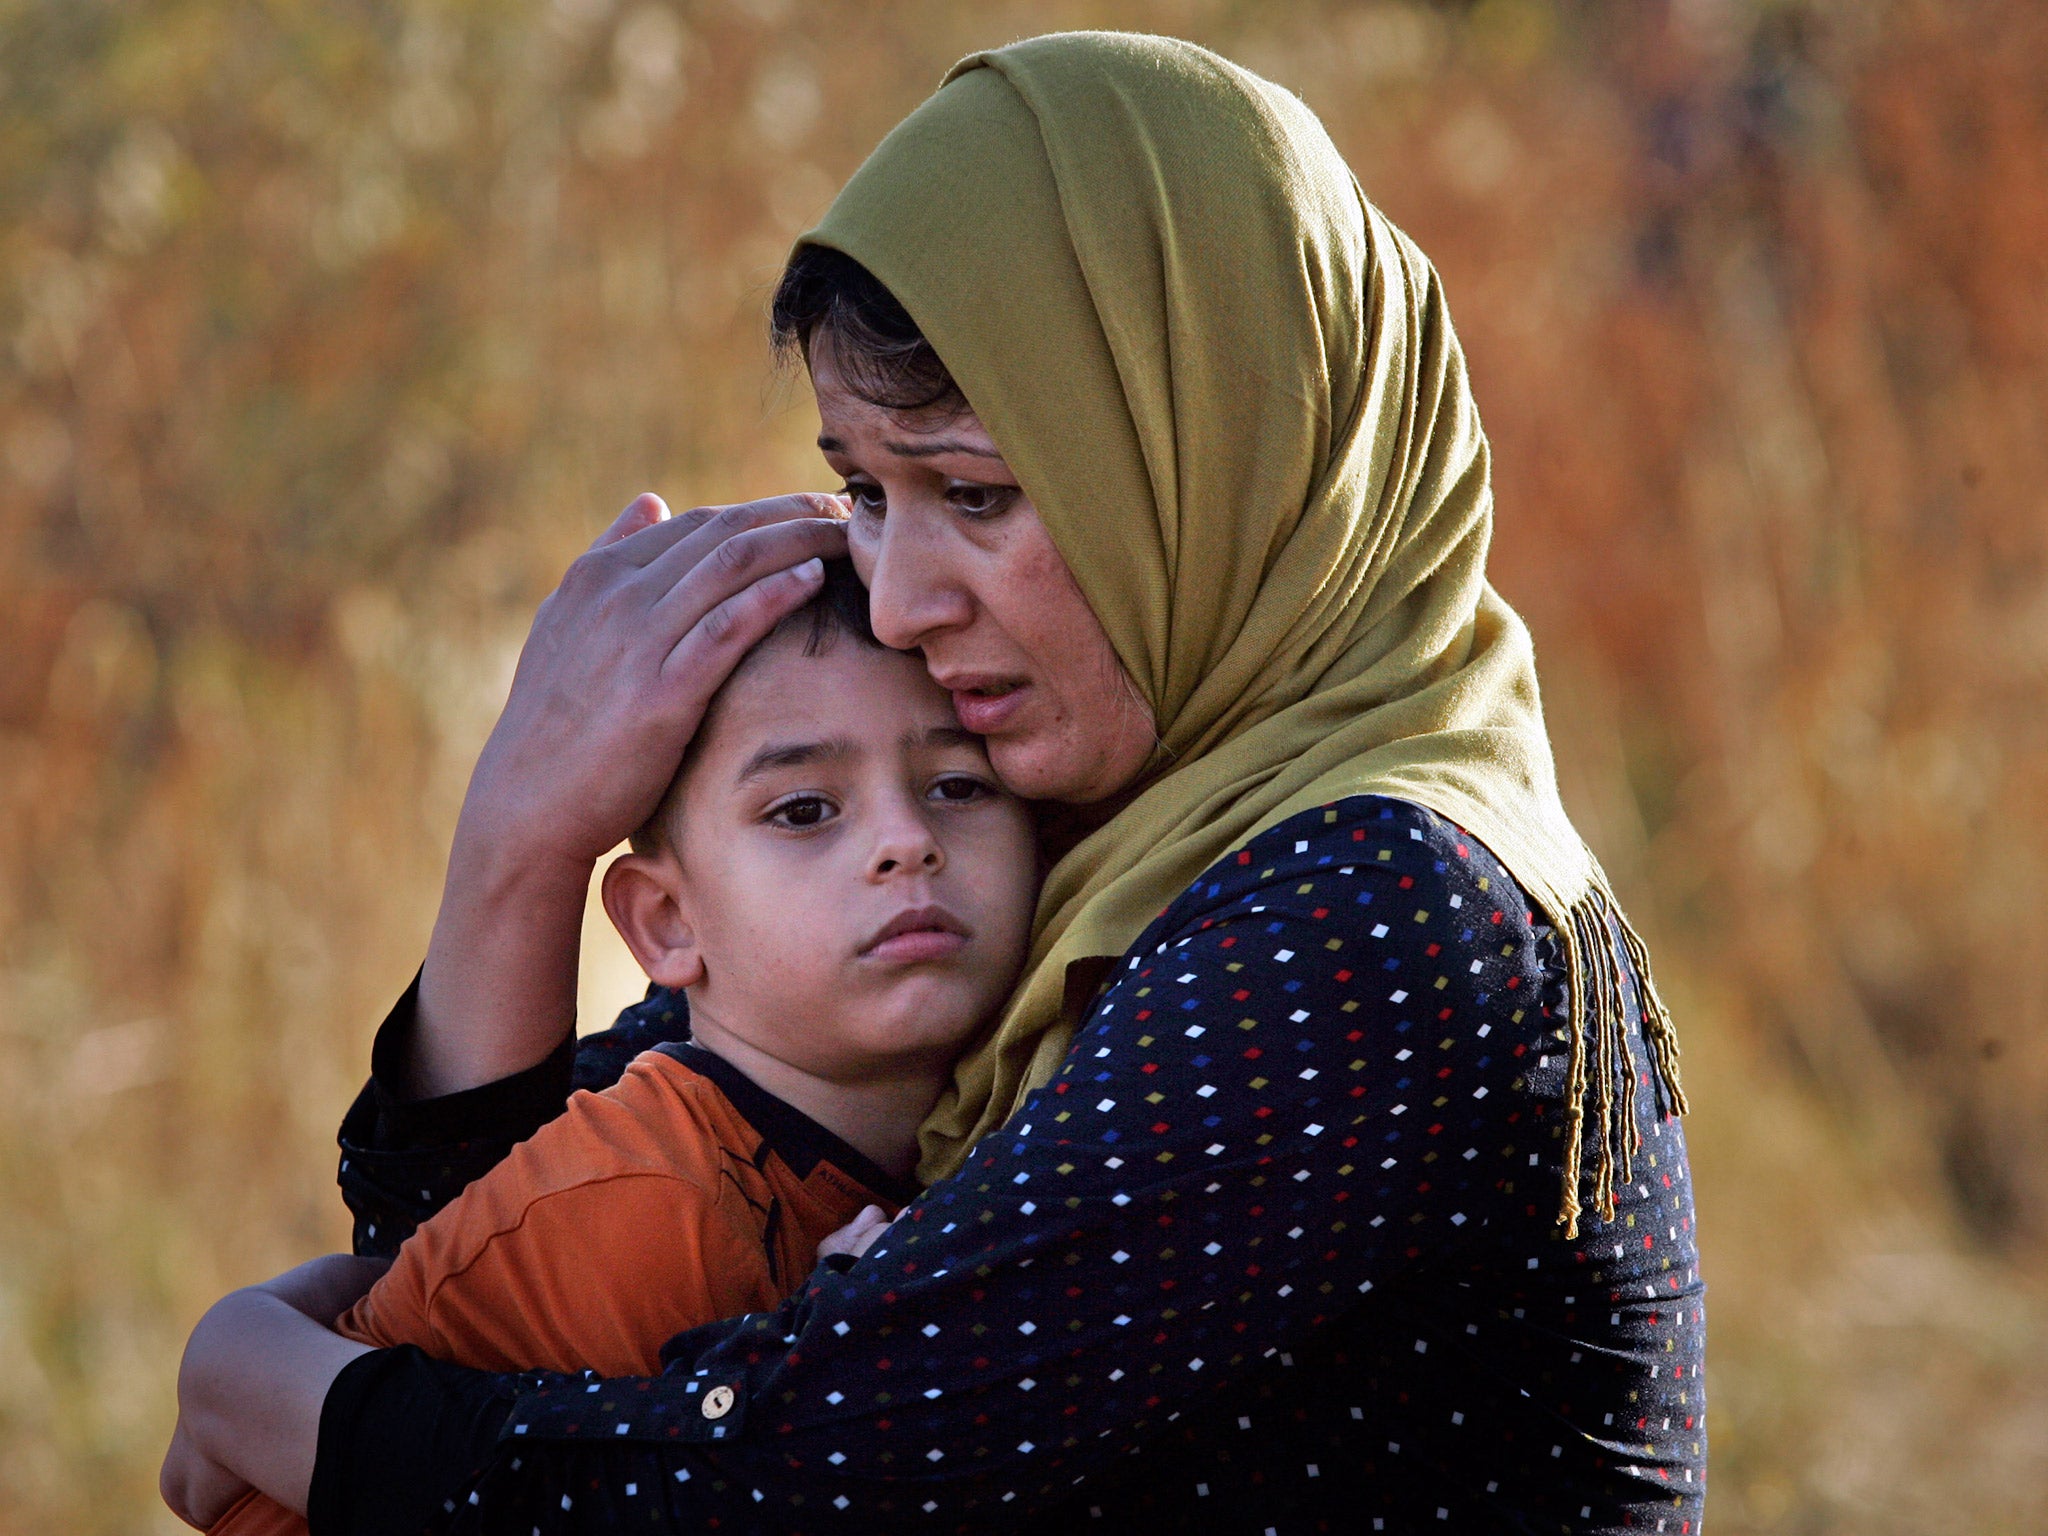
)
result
[(984, 711)]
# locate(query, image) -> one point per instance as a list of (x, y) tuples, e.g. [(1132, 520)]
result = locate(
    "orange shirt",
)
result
[(682, 1194)]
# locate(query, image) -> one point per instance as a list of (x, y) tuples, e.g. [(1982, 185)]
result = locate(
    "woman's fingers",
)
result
[(683, 568), (647, 513), (713, 646), (695, 533), (643, 511), (721, 604), (689, 581)]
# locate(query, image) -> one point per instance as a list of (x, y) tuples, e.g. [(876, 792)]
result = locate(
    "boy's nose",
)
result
[(908, 846)]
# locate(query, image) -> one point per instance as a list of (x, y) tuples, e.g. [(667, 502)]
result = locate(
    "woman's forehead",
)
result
[(851, 426)]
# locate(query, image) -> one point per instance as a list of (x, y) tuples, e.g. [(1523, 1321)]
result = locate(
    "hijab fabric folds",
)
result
[(1231, 388)]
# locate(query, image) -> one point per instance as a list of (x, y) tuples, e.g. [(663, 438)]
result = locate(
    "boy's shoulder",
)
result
[(768, 1131), (601, 1057), (684, 1149), (662, 1116), (659, 1121)]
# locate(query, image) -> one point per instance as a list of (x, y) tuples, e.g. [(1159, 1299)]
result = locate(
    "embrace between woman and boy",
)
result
[(1297, 1154), (854, 905)]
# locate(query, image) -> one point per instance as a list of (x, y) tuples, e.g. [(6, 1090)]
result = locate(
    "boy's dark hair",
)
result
[(877, 348), (839, 607)]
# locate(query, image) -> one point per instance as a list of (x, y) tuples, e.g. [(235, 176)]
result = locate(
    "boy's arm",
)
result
[(255, 1374)]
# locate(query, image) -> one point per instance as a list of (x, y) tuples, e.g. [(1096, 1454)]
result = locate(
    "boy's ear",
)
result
[(643, 897)]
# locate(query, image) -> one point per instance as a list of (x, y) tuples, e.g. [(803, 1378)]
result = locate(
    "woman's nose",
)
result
[(911, 594)]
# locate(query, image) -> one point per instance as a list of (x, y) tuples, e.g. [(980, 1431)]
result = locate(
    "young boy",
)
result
[(845, 893)]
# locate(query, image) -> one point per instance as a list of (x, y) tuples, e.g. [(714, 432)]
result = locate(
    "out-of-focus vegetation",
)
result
[(329, 332)]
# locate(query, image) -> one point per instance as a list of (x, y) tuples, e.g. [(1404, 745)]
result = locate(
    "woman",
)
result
[(1320, 1175)]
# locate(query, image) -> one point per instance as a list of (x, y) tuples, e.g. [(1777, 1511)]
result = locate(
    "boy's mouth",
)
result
[(922, 933)]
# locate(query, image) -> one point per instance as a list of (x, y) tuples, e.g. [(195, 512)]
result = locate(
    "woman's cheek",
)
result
[(1014, 763), (1046, 761), (860, 549)]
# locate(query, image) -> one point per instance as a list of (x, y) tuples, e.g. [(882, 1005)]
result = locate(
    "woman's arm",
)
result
[(250, 1387), (1218, 1169), (196, 1489), (622, 659)]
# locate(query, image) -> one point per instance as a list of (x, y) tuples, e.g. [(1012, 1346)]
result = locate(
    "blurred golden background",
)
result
[(329, 333)]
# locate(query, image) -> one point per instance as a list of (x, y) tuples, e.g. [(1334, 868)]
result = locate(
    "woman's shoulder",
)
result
[(1353, 861)]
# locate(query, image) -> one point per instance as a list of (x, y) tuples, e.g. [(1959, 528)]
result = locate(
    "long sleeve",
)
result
[(1303, 1117), (397, 1408)]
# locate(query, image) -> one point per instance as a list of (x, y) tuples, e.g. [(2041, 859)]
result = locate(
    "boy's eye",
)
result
[(981, 501), (803, 811), (959, 789)]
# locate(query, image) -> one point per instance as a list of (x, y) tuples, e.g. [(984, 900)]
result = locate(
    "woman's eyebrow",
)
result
[(922, 450), (943, 446), (792, 754)]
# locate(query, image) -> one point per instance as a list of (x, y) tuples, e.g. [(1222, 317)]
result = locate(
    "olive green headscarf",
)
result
[(1232, 390)]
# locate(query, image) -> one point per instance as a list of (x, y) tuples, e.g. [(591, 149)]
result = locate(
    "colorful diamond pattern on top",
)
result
[(1273, 1253)]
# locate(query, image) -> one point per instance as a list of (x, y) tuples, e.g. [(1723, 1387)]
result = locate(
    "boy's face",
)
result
[(853, 888)]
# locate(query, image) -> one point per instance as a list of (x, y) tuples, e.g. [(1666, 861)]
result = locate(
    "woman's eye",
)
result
[(982, 501), (866, 497), (805, 811), (959, 789)]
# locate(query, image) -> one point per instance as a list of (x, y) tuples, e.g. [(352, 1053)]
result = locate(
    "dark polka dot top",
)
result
[(1274, 1253)]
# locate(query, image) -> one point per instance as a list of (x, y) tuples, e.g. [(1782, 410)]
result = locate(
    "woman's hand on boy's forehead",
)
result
[(623, 658)]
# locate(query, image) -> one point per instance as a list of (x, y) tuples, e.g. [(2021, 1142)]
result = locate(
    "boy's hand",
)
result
[(614, 678), (197, 1490), (857, 1236)]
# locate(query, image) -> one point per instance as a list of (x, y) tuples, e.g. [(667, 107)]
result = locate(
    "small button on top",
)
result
[(718, 1402)]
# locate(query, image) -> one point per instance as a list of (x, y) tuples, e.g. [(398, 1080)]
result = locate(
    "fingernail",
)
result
[(812, 569)]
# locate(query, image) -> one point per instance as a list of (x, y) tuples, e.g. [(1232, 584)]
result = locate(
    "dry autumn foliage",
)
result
[(329, 332)]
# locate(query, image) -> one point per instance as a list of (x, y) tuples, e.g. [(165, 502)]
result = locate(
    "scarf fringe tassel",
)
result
[(1600, 1056)]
